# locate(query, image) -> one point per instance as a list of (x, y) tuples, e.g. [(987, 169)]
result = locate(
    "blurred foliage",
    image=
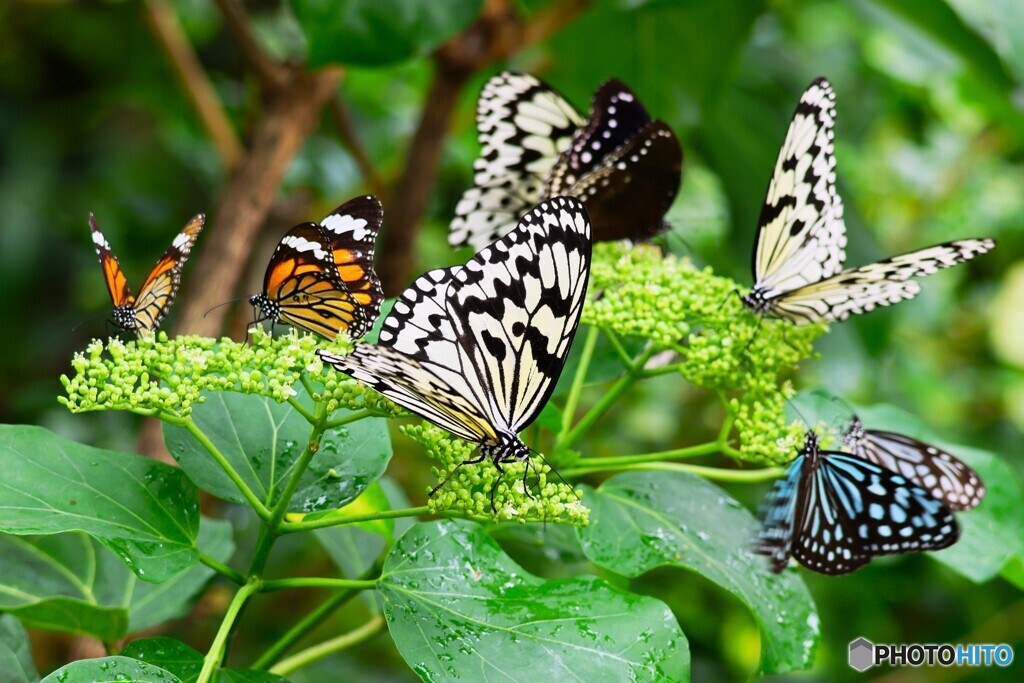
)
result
[(930, 141)]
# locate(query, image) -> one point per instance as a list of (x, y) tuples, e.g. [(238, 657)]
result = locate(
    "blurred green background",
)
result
[(930, 142)]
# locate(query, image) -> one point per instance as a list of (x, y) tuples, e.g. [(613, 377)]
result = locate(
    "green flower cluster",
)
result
[(539, 497), (155, 375), (638, 291)]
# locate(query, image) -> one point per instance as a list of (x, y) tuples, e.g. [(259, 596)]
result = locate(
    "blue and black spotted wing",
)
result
[(931, 468), (834, 512)]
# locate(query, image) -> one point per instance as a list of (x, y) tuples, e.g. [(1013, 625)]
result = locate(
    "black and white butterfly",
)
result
[(624, 166), (834, 512), (800, 252), (942, 474), (477, 349)]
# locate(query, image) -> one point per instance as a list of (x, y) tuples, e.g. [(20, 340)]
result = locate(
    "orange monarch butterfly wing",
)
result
[(352, 232), (117, 284), (161, 286), (302, 287)]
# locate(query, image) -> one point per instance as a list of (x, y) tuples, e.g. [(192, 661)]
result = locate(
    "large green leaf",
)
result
[(992, 534), (379, 32), (145, 511), (643, 520), (70, 583), (186, 663), (16, 663), (153, 604), (458, 607), (111, 670), (262, 440)]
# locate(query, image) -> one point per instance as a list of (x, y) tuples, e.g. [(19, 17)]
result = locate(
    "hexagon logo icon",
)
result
[(862, 654)]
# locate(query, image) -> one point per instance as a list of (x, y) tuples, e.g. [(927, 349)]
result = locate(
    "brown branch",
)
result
[(495, 36), (347, 132), (163, 22), (291, 114), (269, 72)]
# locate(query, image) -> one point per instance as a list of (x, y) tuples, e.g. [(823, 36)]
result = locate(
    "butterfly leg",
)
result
[(501, 473), (451, 474)]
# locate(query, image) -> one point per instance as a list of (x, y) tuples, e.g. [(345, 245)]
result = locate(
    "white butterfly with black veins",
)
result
[(477, 349), (625, 167), (942, 474), (834, 511), (800, 252)]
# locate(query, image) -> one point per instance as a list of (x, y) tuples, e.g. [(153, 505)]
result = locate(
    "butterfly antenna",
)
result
[(91, 317), (560, 477), (230, 301)]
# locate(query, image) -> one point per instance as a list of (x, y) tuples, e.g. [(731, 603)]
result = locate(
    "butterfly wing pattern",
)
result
[(624, 166), (801, 238), (144, 313), (477, 349), (945, 476), (834, 512), (523, 126), (320, 277)]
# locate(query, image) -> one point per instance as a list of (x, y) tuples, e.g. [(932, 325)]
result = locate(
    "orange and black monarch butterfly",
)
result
[(143, 314), (321, 278)]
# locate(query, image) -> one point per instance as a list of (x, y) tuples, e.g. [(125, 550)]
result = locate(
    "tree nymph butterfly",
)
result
[(477, 349), (801, 239), (945, 476), (625, 167), (320, 277), (143, 314), (834, 512)]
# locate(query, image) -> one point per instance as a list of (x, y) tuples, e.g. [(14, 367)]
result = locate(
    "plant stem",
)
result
[(713, 473), (301, 409), (317, 582), (340, 520), (351, 417), (600, 408), (221, 568), (321, 650), (271, 530), (216, 652), (624, 356), (246, 492), (311, 621), (573, 399), (586, 465)]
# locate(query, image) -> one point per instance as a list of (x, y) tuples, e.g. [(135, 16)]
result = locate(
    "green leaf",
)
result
[(169, 654), (992, 534), (111, 670), (458, 607), (643, 520), (15, 657), (262, 440), (153, 604), (62, 583), (186, 663), (379, 32), (145, 511), (72, 584)]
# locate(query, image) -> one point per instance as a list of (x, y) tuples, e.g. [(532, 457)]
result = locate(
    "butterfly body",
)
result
[(834, 512), (143, 314), (477, 349), (800, 252), (320, 277), (625, 167)]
